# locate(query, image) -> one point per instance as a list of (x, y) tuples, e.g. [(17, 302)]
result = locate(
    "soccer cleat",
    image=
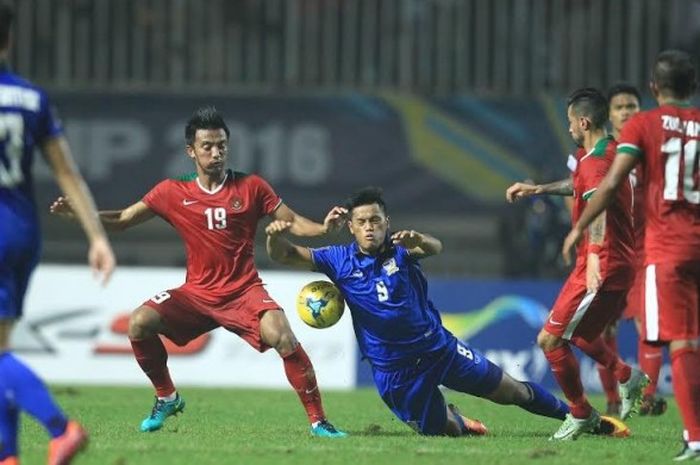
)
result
[(631, 393), (63, 448), (652, 406), (573, 427), (162, 409), (613, 408), (324, 429), (612, 427), (10, 461), (469, 427), (687, 454)]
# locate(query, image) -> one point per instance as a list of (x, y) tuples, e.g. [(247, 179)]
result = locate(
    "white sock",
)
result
[(695, 445), (169, 398)]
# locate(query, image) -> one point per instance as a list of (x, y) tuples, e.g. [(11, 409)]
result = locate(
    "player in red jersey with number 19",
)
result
[(664, 143), (216, 212)]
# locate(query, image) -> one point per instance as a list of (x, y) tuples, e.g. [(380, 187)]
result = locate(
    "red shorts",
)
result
[(633, 309), (186, 316), (671, 303), (578, 313)]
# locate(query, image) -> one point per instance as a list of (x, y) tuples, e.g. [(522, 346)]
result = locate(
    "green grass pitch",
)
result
[(233, 426)]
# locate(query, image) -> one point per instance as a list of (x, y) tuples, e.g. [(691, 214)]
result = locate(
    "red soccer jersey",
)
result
[(666, 141), (617, 252), (218, 228)]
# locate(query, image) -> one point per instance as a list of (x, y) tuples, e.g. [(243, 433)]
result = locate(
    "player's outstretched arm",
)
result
[(521, 190), (113, 220), (304, 227), (282, 251), (419, 245), (619, 172), (58, 155)]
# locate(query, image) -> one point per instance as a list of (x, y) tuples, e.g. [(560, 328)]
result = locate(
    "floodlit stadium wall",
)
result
[(74, 331)]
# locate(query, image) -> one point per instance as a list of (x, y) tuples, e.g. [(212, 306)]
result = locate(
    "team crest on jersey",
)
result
[(390, 266), (237, 204)]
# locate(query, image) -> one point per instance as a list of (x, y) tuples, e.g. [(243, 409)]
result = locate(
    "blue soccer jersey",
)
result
[(26, 122), (395, 322)]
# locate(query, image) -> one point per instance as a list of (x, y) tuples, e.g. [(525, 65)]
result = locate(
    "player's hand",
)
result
[(520, 190), (408, 239), (570, 243), (335, 219), (101, 259), (62, 207), (277, 227), (593, 278)]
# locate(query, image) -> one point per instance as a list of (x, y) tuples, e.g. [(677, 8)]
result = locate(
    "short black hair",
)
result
[(623, 88), (675, 72), (7, 16), (365, 196), (204, 118), (591, 103)]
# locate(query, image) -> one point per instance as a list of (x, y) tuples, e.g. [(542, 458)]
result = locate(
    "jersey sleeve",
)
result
[(157, 198), (267, 198), (630, 141), (327, 260), (49, 125)]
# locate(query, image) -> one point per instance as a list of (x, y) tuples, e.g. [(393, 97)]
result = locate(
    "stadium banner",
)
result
[(502, 318), (75, 331), (317, 148)]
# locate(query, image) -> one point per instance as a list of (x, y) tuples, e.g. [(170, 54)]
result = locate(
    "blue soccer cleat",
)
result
[(324, 429), (162, 409)]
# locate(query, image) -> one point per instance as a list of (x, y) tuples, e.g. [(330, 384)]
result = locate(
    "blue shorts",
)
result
[(17, 261), (413, 393)]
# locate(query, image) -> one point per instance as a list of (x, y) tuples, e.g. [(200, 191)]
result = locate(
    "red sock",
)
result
[(601, 353), (152, 358), (301, 376), (685, 374), (607, 376), (566, 371), (650, 359)]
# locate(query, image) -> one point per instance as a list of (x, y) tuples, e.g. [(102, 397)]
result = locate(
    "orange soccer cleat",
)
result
[(10, 461), (470, 427), (63, 448)]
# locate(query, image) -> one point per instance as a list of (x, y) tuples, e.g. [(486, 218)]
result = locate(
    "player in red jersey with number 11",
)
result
[(216, 212)]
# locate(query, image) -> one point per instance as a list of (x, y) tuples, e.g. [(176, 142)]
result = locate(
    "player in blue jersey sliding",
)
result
[(398, 329), (26, 123)]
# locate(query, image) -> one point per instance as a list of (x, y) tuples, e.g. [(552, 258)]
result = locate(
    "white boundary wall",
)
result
[(67, 315)]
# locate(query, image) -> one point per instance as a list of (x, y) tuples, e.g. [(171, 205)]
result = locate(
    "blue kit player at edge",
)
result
[(27, 123), (398, 329)]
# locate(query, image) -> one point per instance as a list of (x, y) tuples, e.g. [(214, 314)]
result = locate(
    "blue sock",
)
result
[(30, 394), (9, 421), (542, 402)]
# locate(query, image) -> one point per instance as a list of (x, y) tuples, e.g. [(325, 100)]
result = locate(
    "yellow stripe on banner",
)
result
[(455, 152)]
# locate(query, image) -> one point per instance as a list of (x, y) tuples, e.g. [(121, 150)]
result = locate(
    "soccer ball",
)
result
[(320, 304)]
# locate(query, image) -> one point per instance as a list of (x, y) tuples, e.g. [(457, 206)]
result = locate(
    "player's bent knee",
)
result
[(143, 323)]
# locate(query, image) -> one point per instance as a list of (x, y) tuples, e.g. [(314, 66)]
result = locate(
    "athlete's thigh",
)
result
[(671, 302), (242, 315), (633, 305), (414, 396), (578, 312), (16, 268), (471, 372), (183, 315)]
